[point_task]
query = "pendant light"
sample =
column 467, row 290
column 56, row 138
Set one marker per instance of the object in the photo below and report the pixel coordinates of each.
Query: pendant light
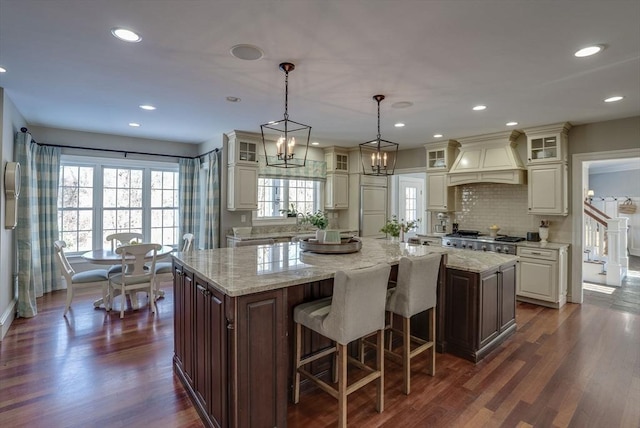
column 382, row 153
column 289, row 150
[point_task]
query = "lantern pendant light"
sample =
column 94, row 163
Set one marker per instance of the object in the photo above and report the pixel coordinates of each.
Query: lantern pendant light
column 290, row 137
column 382, row 153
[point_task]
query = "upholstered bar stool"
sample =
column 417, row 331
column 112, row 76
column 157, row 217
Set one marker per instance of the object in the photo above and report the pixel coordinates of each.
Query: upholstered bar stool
column 356, row 310
column 415, row 292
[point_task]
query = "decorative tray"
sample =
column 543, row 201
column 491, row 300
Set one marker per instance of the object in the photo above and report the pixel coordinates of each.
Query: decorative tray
column 346, row 245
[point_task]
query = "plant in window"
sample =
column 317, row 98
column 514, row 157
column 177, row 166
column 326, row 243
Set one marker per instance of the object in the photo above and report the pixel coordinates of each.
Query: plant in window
column 291, row 212
column 319, row 219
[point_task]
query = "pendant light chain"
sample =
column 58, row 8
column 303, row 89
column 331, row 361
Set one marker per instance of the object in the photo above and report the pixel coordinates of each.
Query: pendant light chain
column 286, row 95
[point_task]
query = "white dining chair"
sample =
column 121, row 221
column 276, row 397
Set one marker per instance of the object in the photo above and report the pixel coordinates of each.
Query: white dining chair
column 92, row 278
column 119, row 239
column 135, row 275
column 164, row 270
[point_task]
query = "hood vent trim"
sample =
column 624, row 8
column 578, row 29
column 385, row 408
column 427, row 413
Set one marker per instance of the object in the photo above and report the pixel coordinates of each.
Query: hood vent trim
column 490, row 158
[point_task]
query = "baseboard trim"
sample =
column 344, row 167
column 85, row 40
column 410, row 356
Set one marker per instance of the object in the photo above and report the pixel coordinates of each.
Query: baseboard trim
column 7, row 318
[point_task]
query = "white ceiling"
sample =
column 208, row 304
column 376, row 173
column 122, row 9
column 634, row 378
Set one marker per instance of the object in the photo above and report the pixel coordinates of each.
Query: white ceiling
column 65, row 70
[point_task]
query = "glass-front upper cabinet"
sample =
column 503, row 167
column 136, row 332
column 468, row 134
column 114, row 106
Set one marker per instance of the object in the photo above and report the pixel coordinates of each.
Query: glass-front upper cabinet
column 440, row 156
column 242, row 148
column 337, row 159
column 547, row 144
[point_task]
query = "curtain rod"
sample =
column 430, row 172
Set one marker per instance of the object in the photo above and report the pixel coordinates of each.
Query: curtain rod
column 124, row 152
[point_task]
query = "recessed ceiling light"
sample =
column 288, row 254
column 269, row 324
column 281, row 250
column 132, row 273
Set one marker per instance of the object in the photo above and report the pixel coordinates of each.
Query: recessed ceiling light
column 3, row 70
column 247, row 52
column 399, row 125
column 233, row 99
column 511, row 123
column 125, row 35
column 613, row 99
column 588, row 51
column 402, row 104
column 480, row 107
column 315, row 143
column 438, row 135
column 134, row 124
column 147, row 107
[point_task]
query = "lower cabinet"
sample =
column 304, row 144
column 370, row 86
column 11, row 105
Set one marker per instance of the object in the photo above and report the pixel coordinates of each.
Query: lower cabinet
column 542, row 274
column 479, row 310
column 231, row 353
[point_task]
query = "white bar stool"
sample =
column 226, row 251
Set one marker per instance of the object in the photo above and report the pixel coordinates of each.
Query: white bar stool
column 415, row 292
column 355, row 310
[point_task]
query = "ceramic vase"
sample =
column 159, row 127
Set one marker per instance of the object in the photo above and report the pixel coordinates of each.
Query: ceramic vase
column 544, row 234
column 320, row 236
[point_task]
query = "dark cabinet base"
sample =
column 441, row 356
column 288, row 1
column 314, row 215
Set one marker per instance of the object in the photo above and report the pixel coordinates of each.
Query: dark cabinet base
column 479, row 311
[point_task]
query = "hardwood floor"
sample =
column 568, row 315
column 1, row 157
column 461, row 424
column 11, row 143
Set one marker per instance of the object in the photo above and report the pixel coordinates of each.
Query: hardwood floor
column 577, row 367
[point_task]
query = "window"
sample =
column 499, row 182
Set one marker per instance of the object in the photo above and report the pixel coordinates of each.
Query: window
column 276, row 195
column 97, row 198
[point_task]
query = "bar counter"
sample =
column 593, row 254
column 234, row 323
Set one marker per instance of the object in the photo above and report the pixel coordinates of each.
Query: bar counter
column 233, row 319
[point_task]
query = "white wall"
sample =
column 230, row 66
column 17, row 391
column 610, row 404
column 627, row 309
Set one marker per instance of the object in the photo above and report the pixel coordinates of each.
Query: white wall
column 11, row 123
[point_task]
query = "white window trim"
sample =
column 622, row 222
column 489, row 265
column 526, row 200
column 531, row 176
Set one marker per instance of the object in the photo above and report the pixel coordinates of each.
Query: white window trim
column 276, row 221
column 98, row 163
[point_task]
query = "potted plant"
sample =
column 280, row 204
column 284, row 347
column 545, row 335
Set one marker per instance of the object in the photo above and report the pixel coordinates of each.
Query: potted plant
column 320, row 220
column 397, row 228
column 291, row 212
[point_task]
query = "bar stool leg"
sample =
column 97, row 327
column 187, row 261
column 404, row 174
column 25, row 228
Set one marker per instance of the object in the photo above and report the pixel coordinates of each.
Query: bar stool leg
column 296, row 363
column 380, row 368
column 406, row 354
column 432, row 338
column 342, row 385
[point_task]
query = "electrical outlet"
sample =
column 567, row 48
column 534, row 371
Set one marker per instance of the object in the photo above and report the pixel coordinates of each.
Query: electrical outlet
column 243, row 218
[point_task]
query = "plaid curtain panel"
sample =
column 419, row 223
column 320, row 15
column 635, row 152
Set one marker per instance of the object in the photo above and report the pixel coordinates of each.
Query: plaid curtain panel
column 212, row 202
column 189, row 195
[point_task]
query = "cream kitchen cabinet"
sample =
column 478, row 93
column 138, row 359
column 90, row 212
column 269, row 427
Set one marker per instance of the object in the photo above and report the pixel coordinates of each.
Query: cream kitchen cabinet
column 547, row 144
column 440, row 156
column 242, row 188
column 336, row 192
column 242, row 148
column 440, row 197
column 542, row 276
column 337, row 160
column 548, row 189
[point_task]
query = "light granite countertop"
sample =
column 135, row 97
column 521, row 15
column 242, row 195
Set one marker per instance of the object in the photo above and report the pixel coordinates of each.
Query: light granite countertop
column 288, row 234
column 247, row 270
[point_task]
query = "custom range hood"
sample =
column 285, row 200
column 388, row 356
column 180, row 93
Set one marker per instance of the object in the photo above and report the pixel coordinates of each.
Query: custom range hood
column 489, row 158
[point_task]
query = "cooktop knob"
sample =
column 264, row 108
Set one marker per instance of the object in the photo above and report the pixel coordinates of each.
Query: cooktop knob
column 484, row 248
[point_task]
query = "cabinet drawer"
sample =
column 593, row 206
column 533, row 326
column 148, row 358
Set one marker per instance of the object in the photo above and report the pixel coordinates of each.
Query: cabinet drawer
column 538, row 253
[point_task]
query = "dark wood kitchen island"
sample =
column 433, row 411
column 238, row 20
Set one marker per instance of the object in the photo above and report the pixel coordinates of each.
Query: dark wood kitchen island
column 233, row 326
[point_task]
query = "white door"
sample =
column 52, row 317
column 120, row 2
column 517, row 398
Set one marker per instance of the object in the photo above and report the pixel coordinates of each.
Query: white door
column 411, row 201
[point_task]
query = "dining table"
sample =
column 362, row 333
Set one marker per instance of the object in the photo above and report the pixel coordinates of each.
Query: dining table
column 110, row 257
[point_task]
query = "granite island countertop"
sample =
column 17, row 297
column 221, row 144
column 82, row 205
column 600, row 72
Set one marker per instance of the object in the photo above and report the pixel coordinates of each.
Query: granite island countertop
column 254, row 269
column 287, row 234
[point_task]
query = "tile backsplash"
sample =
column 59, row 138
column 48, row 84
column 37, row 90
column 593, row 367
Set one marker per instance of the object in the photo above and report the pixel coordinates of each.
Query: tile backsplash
column 486, row 204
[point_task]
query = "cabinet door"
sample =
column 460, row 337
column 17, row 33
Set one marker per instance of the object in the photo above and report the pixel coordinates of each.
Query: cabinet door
column 548, row 189
column 337, row 191
column 188, row 296
column 201, row 343
column 179, row 318
column 537, row 279
column 437, row 192
column 489, row 307
column 260, row 364
column 508, row 296
column 242, row 188
column 461, row 310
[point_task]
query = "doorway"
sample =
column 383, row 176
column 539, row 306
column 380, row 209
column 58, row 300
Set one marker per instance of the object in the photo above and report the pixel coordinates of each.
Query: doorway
column 579, row 179
column 407, row 199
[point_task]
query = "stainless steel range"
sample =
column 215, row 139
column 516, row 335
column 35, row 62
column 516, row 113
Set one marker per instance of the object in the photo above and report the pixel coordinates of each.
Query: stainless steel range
column 473, row 240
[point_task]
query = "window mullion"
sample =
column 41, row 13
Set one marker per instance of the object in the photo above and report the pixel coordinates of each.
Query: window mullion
column 146, row 203
column 98, row 189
